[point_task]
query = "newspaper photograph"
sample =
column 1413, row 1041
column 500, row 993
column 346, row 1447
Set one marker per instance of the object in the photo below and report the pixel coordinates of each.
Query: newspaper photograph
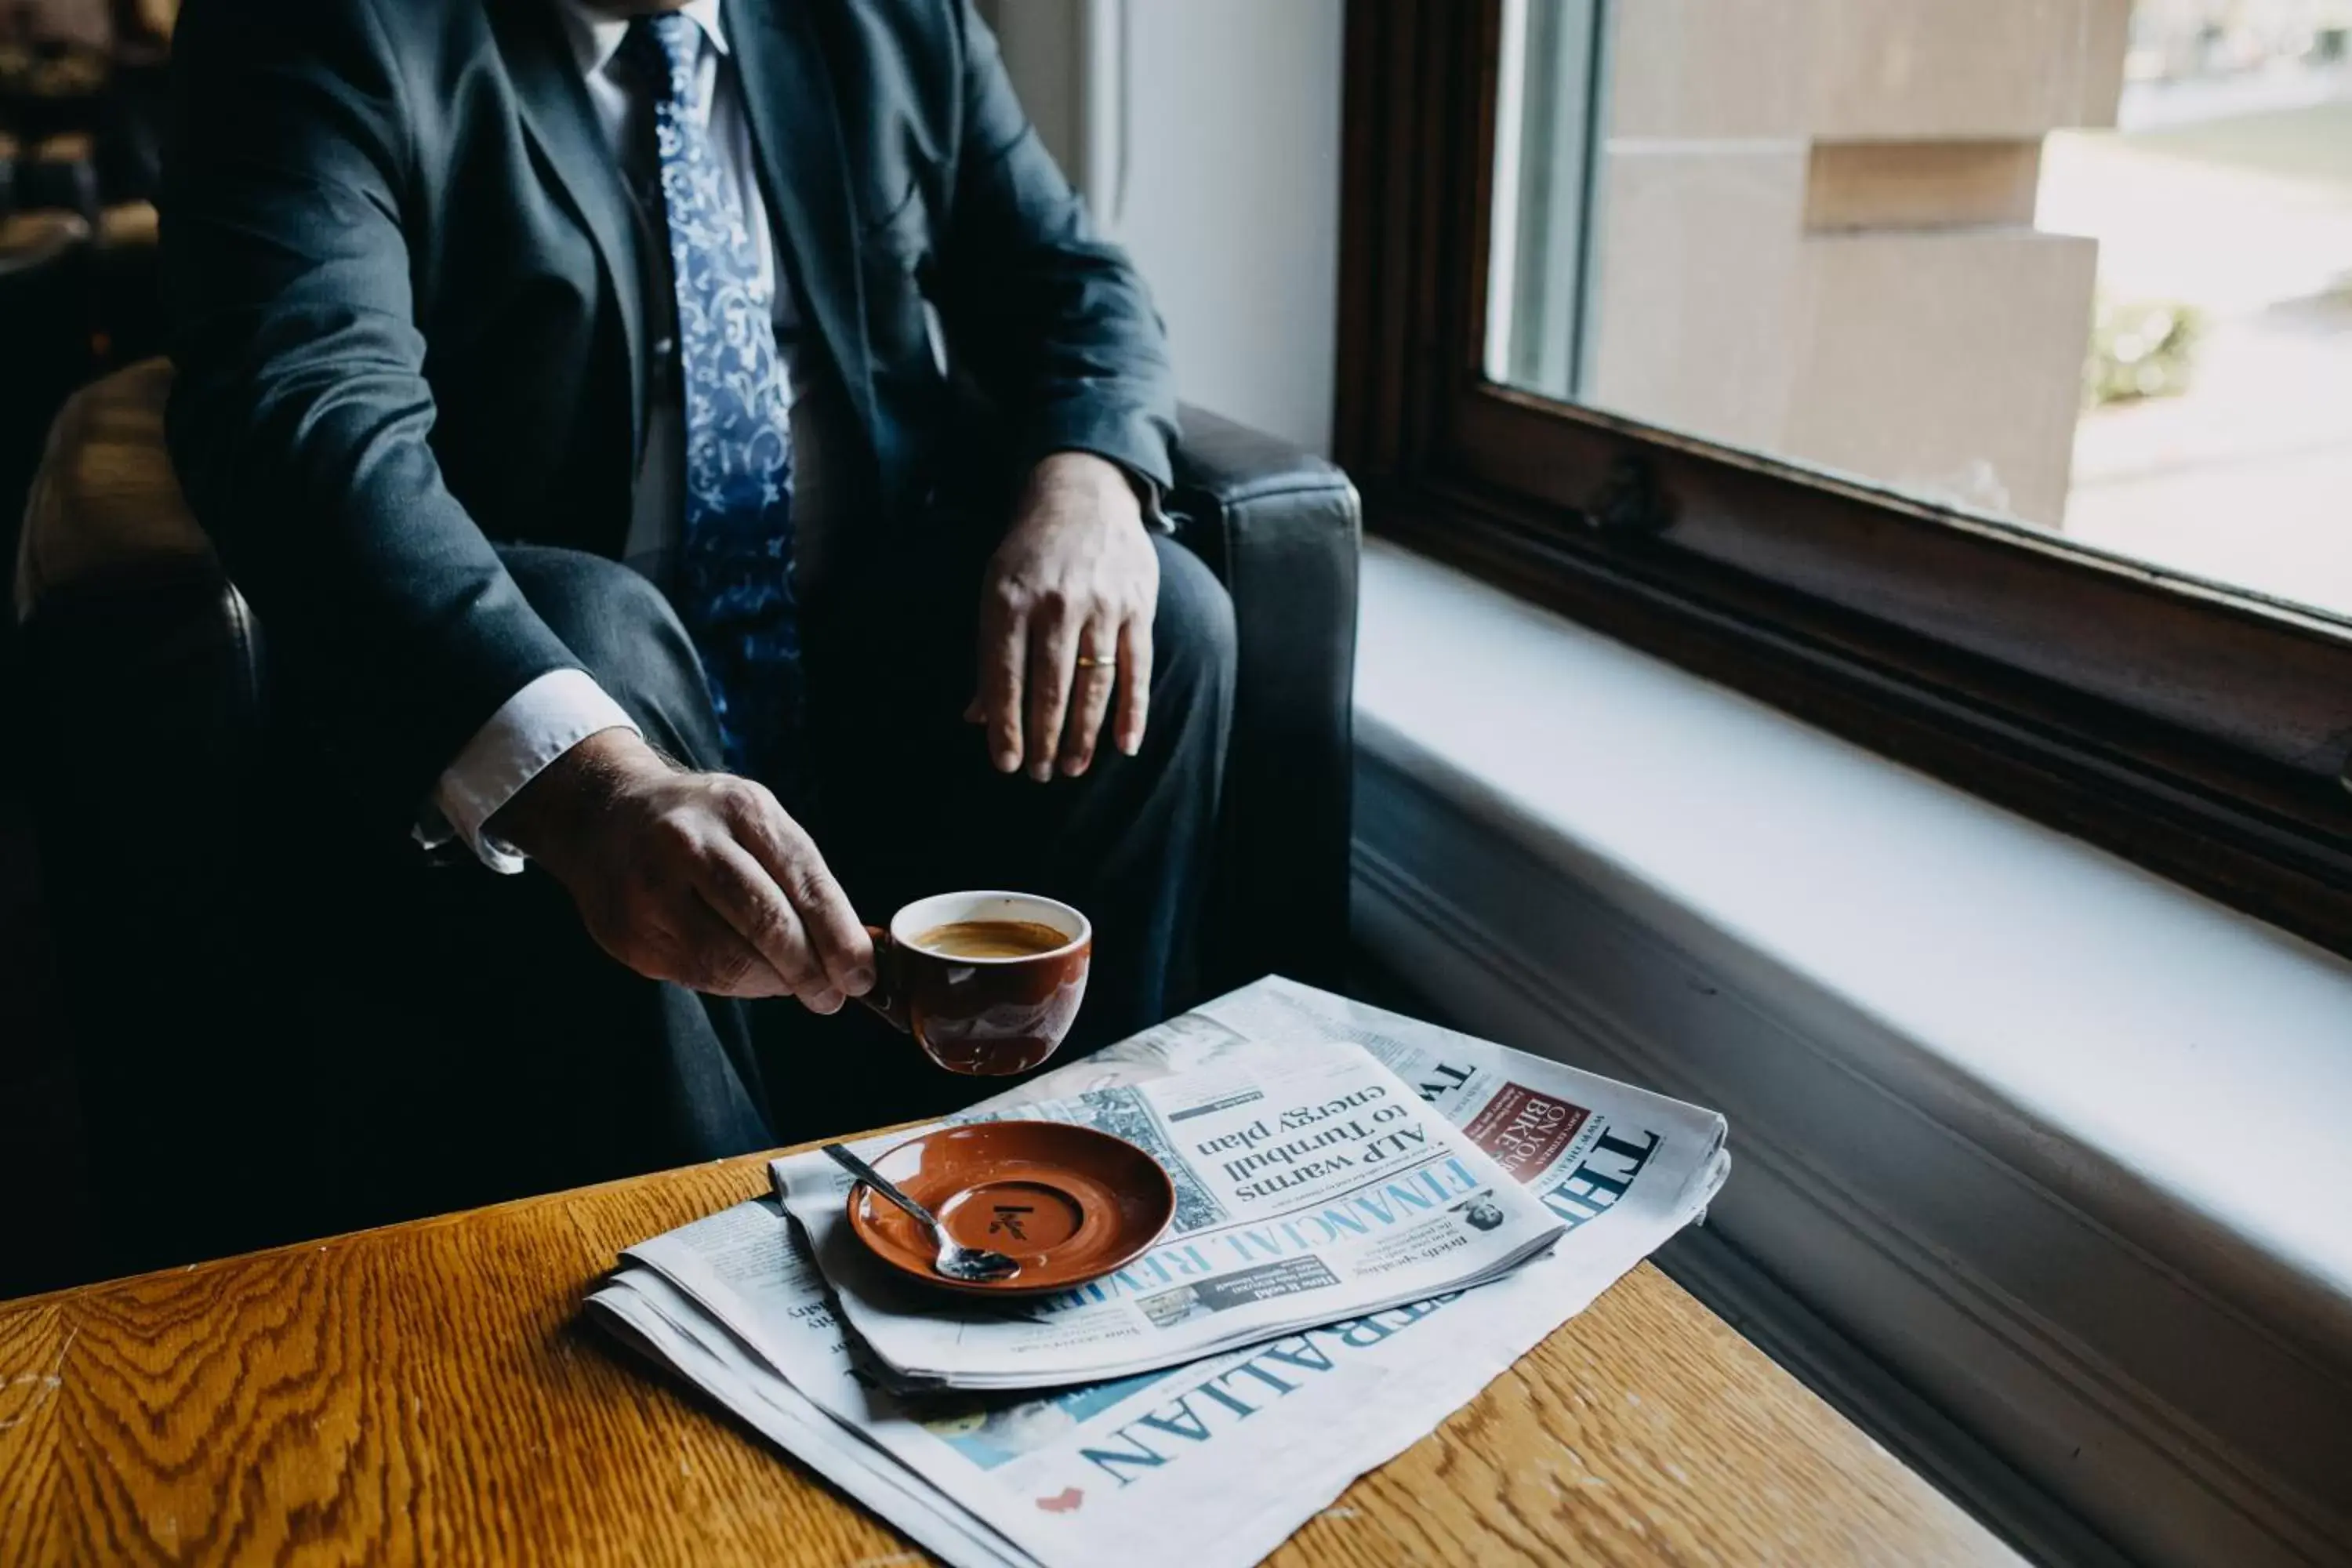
column 1214, row 1463
column 1328, row 1189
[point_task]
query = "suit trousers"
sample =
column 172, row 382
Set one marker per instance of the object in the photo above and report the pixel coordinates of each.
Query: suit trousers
column 450, row 1036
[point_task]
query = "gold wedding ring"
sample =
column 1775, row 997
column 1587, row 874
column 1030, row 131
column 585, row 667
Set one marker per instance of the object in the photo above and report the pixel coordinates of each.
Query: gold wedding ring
column 1089, row 661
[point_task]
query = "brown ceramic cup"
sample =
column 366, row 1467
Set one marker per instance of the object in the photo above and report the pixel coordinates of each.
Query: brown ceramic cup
column 981, row 1015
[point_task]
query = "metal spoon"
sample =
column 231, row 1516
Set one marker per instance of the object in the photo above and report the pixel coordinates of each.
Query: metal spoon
column 972, row 1264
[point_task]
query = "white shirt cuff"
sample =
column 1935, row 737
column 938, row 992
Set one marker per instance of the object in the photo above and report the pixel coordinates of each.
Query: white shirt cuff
column 535, row 726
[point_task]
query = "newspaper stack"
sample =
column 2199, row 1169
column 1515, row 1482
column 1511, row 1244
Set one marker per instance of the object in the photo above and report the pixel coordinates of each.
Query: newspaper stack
column 1216, row 1460
column 1322, row 1190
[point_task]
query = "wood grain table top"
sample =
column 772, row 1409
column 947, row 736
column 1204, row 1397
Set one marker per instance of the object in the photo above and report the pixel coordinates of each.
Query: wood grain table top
column 429, row 1393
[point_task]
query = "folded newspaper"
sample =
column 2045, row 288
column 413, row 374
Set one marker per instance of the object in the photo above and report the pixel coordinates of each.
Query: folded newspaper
column 1312, row 1184
column 1240, row 1446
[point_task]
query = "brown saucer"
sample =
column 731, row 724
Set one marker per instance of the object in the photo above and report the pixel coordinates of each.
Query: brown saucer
column 1065, row 1202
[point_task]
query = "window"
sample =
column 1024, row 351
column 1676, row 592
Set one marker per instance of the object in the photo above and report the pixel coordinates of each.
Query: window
column 1976, row 380
column 2085, row 266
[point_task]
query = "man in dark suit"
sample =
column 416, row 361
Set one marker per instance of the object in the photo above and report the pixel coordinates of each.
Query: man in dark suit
column 658, row 440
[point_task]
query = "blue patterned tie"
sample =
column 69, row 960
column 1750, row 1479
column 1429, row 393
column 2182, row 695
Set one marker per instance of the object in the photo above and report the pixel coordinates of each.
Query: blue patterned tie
column 735, row 588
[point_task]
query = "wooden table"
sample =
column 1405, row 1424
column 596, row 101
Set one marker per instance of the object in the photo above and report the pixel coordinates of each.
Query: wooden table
column 427, row 1392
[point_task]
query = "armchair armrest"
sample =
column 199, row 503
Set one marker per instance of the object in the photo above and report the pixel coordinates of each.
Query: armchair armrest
column 1281, row 528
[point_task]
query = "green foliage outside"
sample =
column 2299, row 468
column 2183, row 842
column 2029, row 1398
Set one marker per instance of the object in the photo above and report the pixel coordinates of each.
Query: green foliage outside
column 2140, row 348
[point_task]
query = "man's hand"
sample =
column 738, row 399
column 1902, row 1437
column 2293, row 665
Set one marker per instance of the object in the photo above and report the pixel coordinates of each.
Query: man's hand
column 696, row 878
column 1065, row 621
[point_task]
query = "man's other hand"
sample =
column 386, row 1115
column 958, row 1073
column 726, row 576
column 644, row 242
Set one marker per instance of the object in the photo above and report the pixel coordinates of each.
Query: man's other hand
column 699, row 879
column 1065, row 621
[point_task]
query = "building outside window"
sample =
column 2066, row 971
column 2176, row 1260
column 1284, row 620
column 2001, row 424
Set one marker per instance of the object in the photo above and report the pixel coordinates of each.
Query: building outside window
column 2082, row 265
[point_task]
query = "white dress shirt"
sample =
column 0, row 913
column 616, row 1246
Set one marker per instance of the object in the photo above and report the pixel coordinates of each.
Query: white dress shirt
column 555, row 712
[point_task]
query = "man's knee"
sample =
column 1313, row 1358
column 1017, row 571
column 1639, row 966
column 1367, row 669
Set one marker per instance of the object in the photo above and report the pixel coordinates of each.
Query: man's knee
column 627, row 637
column 1194, row 646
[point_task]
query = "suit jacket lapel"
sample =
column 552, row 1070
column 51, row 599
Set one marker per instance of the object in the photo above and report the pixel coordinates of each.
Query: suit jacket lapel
column 796, row 136
column 559, row 118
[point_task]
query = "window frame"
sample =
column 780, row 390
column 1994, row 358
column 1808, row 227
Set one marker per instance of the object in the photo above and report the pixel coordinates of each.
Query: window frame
column 2198, row 730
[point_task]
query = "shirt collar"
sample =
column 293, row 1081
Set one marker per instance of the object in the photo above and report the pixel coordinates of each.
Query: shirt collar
column 596, row 36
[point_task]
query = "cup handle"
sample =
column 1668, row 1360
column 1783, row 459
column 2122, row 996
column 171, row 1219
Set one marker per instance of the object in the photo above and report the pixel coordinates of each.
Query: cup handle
column 889, row 996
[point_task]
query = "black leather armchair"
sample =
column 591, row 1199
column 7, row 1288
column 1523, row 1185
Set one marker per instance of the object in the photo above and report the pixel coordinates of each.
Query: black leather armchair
column 1282, row 530
column 45, row 260
column 143, row 678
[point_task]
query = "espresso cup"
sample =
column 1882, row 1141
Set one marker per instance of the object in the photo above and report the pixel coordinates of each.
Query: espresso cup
column 987, row 1015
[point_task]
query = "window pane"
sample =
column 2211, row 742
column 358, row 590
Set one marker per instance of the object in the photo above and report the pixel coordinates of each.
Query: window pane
column 2085, row 265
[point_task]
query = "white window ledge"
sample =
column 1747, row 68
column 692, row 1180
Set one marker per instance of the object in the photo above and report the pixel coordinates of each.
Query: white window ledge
column 2065, row 1145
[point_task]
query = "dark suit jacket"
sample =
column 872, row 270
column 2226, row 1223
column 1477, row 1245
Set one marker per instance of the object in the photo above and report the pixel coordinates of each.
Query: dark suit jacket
column 408, row 320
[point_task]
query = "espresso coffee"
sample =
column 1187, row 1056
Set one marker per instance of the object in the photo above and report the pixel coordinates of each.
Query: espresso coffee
column 987, row 983
column 992, row 938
